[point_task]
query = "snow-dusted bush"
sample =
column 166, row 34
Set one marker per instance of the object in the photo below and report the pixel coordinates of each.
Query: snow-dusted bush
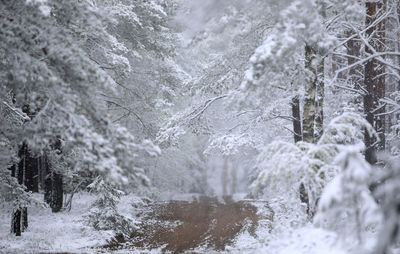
column 347, row 205
column 103, row 214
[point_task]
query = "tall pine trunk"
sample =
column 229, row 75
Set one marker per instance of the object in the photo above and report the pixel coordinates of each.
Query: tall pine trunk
column 374, row 81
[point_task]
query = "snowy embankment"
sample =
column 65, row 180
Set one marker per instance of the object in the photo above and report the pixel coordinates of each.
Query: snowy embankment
column 290, row 234
column 53, row 232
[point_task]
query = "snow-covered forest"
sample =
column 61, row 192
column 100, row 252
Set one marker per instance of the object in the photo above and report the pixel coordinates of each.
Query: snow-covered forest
column 213, row 126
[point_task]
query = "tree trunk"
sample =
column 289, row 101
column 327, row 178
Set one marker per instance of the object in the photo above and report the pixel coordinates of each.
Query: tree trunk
column 374, row 81
column 313, row 115
column 54, row 193
column 19, row 174
column 304, row 197
column 24, row 216
column 296, row 119
column 309, row 103
column 31, row 173
column 47, row 186
column 57, row 193
column 16, row 222
column 319, row 117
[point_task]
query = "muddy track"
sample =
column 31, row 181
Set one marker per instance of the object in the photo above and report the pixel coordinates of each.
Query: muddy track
column 206, row 223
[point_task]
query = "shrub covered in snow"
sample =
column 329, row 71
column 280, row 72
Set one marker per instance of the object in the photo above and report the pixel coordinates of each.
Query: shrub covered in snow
column 347, row 205
column 103, row 214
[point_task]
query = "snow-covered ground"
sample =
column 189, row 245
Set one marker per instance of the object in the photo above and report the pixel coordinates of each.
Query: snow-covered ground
column 66, row 232
column 290, row 234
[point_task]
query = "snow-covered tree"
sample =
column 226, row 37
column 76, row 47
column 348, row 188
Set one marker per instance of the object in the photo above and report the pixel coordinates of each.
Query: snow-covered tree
column 50, row 88
column 283, row 167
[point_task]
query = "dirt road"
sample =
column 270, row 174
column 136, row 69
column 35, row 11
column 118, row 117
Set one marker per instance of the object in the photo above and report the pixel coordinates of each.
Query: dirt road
column 206, row 223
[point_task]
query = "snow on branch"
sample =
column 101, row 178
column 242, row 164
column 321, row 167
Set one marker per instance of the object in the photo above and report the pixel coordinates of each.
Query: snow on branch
column 17, row 111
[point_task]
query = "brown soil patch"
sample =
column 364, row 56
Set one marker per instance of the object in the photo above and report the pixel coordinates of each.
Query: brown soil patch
column 179, row 226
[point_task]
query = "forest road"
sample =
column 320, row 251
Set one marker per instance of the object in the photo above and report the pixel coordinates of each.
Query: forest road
column 203, row 225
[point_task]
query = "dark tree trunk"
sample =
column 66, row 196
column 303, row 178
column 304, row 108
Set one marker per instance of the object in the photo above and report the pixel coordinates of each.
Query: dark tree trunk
column 31, row 173
column 13, row 170
column 54, row 192
column 47, row 183
column 374, row 81
column 370, row 153
column 19, row 174
column 319, row 101
column 24, row 216
column 57, row 193
column 16, row 223
column 296, row 119
column 304, row 197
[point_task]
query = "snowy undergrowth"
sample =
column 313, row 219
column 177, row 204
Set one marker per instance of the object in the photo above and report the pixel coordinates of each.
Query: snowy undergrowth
column 290, row 233
column 347, row 220
column 56, row 232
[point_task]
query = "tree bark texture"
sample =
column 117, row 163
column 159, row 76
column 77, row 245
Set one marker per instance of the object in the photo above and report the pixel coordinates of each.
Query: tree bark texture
column 295, row 104
column 16, row 222
column 320, row 86
column 309, row 100
column 19, row 174
column 313, row 103
column 374, row 81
